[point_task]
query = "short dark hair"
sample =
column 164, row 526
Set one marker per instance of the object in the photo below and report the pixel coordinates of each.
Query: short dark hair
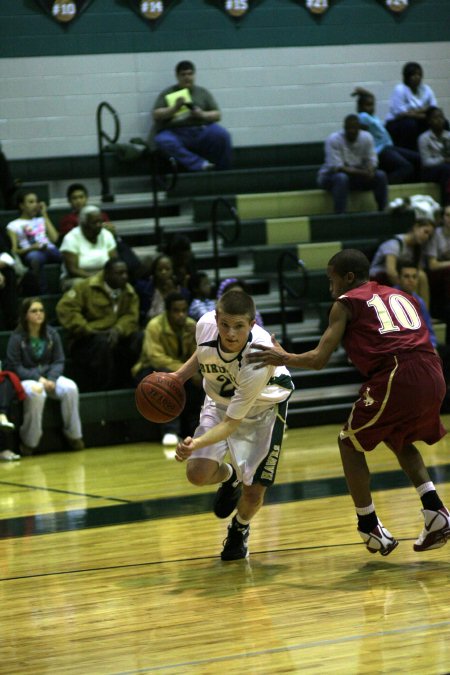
column 195, row 280
column 75, row 187
column 177, row 244
column 237, row 302
column 351, row 118
column 431, row 110
column 409, row 69
column 174, row 296
column 402, row 263
column 350, row 260
column 112, row 262
column 21, row 194
column 184, row 65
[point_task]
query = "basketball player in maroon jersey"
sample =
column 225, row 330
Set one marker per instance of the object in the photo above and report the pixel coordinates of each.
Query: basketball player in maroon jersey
column 386, row 338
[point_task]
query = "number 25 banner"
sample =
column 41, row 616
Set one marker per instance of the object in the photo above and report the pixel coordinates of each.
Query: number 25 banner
column 150, row 9
column 63, row 11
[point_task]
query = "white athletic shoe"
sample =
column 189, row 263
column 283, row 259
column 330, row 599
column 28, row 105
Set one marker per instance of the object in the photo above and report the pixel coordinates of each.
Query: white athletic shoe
column 436, row 531
column 380, row 540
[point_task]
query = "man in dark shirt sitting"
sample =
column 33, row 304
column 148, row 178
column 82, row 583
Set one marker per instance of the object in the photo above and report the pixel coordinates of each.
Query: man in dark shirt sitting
column 185, row 124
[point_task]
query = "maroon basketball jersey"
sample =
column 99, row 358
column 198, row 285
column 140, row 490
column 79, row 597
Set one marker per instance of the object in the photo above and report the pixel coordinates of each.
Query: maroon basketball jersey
column 385, row 322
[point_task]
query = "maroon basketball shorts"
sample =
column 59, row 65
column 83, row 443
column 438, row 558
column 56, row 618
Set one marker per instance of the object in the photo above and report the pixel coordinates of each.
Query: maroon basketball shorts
column 399, row 404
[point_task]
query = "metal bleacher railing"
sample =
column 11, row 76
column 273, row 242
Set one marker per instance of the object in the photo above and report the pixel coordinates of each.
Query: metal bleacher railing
column 218, row 231
column 286, row 289
column 162, row 170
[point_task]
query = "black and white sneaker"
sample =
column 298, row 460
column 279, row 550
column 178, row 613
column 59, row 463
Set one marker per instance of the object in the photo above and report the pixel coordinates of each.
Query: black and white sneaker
column 380, row 540
column 235, row 546
column 227, row 496
column 436, row 532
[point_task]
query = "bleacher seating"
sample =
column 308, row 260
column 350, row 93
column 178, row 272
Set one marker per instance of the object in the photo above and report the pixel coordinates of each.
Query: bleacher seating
column 274, row 191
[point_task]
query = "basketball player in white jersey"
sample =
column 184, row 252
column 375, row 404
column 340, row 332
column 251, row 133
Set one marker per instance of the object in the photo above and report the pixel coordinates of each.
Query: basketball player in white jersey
column 244, row 414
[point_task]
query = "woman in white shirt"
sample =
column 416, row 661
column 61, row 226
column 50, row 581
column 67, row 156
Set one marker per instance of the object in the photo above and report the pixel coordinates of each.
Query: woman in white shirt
column 409, row 103
column 86, row 248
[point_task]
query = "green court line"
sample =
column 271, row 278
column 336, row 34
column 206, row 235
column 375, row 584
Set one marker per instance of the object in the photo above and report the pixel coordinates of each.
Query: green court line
column 194, row 504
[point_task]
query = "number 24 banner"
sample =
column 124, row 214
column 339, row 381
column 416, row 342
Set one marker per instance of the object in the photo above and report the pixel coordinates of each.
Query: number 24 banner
column 63, row 11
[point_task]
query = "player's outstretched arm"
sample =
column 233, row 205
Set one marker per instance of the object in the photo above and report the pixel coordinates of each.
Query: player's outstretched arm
column 315, row 359
column 220, row 432
column 268, row 356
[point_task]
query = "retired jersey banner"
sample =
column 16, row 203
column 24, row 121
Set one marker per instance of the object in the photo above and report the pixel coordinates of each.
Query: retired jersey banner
column 234, row 8
column 64, row 11
column 317, row 6
column 151, row 9
column 397, row 5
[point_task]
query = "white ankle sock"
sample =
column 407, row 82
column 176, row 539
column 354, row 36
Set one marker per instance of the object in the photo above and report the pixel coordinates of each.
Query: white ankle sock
column 365, row 510
column 424, row 488
column 241, row 521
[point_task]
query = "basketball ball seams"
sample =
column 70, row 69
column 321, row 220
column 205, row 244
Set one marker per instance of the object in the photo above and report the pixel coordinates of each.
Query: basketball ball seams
column 160, row 397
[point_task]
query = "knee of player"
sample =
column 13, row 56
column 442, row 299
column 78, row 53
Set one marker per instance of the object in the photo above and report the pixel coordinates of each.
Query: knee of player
column 196, row 473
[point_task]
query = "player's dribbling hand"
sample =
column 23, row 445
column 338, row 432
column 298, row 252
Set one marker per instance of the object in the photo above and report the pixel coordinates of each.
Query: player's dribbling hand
column 184, row 449
column 267, row 356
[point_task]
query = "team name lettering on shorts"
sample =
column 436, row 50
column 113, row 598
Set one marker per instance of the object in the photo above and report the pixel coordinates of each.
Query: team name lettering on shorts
column 271, row 463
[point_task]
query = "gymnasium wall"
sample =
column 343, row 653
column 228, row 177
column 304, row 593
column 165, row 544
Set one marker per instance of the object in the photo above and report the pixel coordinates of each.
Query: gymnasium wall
column 280, row 74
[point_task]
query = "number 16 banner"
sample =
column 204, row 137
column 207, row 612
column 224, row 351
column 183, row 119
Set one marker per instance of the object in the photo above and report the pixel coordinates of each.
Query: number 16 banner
column 63, row 11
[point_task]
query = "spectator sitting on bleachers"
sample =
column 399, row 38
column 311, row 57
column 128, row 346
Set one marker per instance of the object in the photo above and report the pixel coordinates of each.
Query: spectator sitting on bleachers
column 400, row 164
column 184, row 264
column 408, row 277
column 33, row 237
column 8, row 287
column 86, row 248
column 434, row 148
column 185, row 124
column 437, row 252
column 200, row 293
column 169, row 341
column 78, row 196
column 408, row 247
column 408, row 106
column 101, row 316
column 351, row 164
column 233, row 284
column 8, row 186
column 153, row 289
column 10, row 389
column 36, row 356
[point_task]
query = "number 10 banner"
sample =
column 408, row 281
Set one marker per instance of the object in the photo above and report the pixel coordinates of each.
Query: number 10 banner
column 63, row 11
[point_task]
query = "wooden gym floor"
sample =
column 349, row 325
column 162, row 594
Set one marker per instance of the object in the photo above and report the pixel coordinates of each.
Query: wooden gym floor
column 109, row 565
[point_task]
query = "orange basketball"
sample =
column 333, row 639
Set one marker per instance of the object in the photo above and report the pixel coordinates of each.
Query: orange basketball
column 160, row 397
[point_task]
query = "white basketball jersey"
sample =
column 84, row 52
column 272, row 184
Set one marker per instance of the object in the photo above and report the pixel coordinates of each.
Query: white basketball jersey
column 231, row 381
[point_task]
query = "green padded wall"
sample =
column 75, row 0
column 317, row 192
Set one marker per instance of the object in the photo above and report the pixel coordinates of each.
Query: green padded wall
column 108, row 26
